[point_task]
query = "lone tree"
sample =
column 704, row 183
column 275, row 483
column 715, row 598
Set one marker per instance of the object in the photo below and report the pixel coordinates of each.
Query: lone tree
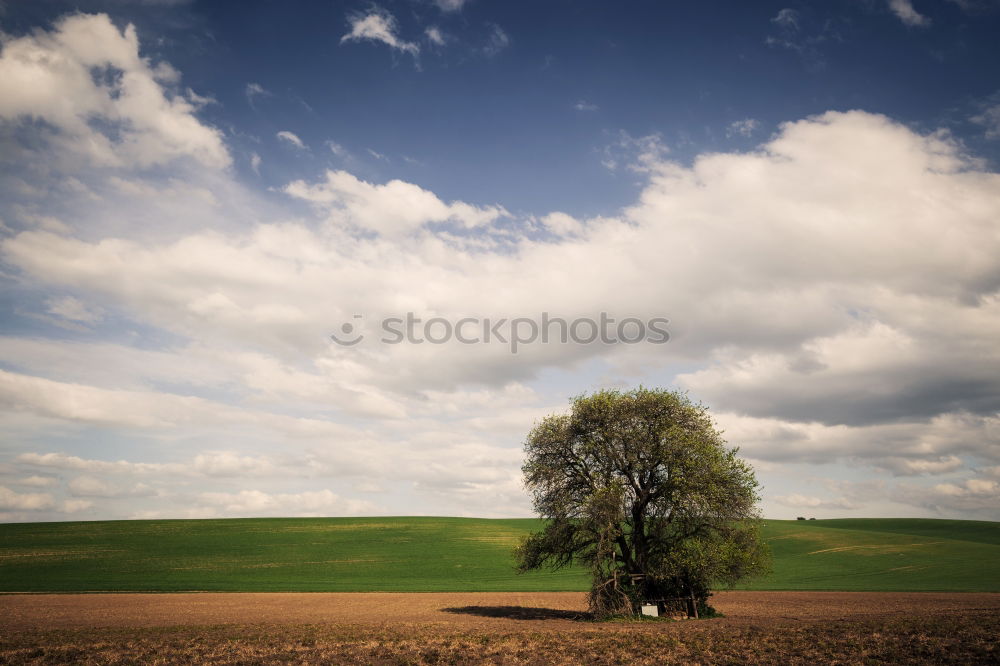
column 642, row 489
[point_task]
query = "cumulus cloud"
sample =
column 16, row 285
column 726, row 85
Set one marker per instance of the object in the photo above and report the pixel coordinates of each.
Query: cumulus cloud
column 797, row 501
column 390, row 209
column 562, row 224
column 38, row 481
column 906, row 13
column 868, row 373
column 142, row 409
column 231, row 463
column 304, row 504
column 14, row 501
column 911, row 467
column 971, row 496
column 90, row 486
column 584, row 105
column 106, row 103
column 805, row 310
column 76, row 505
column 907, row 448
column 64, row 461
column 378, row 26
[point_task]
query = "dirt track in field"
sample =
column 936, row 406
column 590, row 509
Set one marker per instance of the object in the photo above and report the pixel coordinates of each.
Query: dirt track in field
column 506, row 611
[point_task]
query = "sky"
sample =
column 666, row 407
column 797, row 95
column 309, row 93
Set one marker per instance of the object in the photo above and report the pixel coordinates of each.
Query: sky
column 296, row 259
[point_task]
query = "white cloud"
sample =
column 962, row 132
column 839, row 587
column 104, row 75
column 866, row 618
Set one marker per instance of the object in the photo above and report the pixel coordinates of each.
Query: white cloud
column 272, row 285
column 391, row 209
column 635, row 153
column 231, row 463
column 379, row 26
column 76, row 505
column 990, row 120
column 255, row 162
column 38, row 481
column 75, row 402
column 14, row 501
column 745, row 127
column 804, row 306
column 207, row 463
column 90, row 486
column 865, row 373
column 903, row 448
column 976, row 6
column 971, row 496
column 107, row 104
column 141, row 410
column 253, row 91
column 908, row 467
column 46, row 222
column 562, row 224
column 308, row 503
column 435, row 35
column 73, row 309
column 497, row 41
column 904, row 10
column 148, row 191
column 291, row 138
column 450, row 5
column 584, row 105
column 787, row 18
column 63, row 461
column 797, row 501
column 799, row 33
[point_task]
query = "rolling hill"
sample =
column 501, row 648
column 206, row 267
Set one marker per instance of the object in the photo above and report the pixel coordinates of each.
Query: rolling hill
column 454, row 554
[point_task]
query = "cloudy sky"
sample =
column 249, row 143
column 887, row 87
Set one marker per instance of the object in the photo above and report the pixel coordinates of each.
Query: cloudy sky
column 195, row 196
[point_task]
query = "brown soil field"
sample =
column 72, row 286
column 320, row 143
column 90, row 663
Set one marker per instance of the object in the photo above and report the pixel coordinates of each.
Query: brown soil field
column 522, row 628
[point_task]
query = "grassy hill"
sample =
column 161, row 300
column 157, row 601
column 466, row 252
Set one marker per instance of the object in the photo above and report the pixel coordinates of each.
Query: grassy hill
column 883, row 554
column 454, row 554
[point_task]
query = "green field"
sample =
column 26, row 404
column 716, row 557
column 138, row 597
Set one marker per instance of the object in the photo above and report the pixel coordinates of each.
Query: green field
column 454, row 554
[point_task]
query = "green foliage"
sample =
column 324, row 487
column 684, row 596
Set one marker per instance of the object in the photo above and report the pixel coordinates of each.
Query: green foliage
column 641, row 489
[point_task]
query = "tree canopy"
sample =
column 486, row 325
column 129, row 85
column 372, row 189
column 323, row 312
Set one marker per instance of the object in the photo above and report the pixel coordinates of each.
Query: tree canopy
column 641, row 487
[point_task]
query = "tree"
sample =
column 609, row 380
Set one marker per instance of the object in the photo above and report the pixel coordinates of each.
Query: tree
column 640, row 487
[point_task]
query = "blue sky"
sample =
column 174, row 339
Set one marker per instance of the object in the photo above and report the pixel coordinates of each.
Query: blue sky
column 194, row 196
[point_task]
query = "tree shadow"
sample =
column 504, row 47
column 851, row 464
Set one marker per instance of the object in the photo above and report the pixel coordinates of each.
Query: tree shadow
column 522, row 613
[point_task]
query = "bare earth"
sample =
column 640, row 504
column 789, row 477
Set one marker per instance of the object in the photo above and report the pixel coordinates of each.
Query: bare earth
column 493, row 628
column 528, row 611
